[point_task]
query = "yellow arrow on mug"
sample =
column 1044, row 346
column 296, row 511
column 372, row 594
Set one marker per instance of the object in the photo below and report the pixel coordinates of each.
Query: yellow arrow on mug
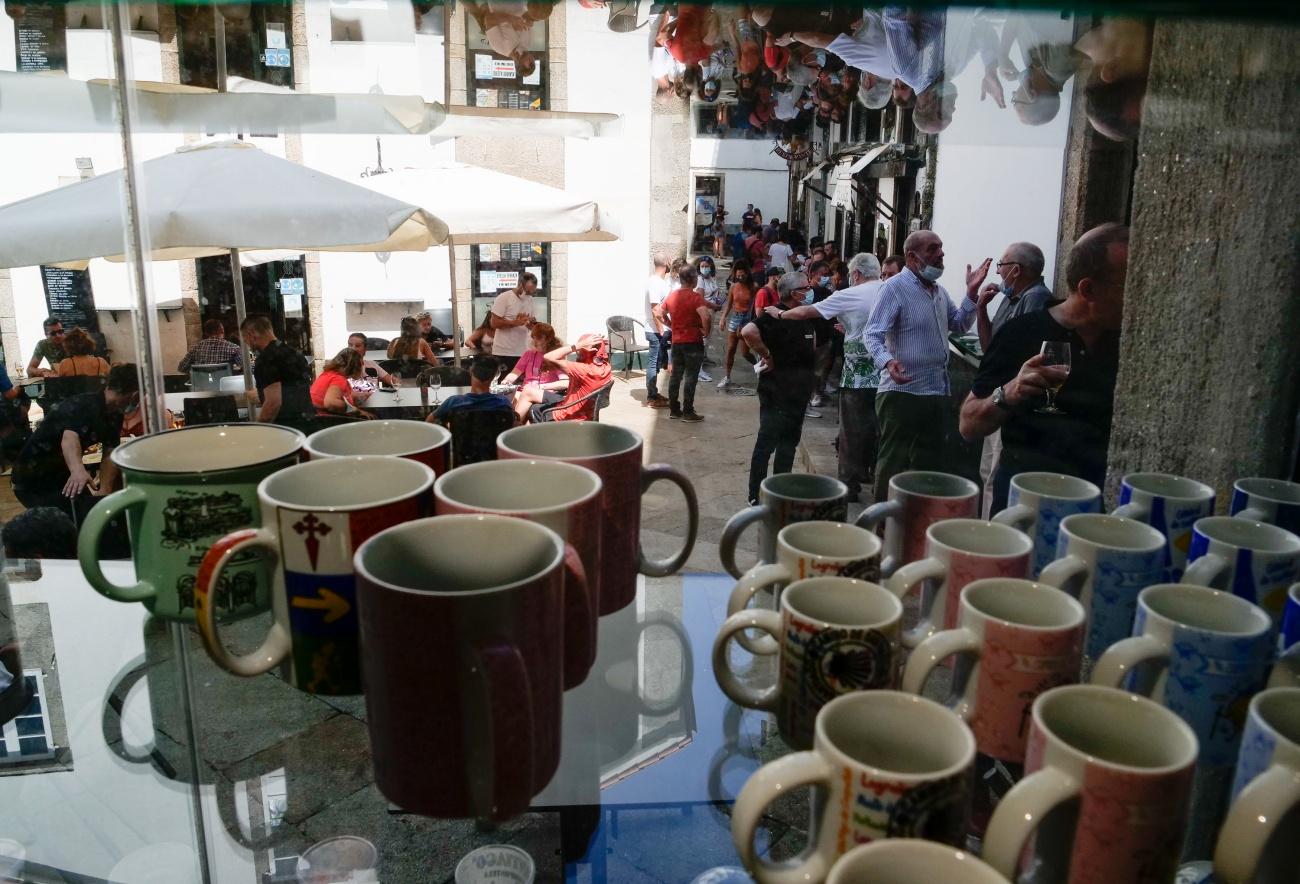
column 332, row 603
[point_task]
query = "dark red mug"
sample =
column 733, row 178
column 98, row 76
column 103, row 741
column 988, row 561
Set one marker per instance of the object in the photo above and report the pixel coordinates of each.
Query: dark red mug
column 614, row 454
column 462, row 661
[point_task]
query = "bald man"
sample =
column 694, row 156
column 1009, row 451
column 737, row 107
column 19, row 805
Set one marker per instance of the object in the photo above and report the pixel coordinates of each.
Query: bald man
column 907, row 336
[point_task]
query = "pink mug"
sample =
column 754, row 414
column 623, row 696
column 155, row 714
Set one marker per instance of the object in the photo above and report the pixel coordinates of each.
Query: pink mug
column 1126, row 762
column 918, row 499
column 430, row 444
column 614, row 454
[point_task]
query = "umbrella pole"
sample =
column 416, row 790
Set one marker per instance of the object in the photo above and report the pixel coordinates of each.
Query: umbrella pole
column 241, row 313
column 455, row 303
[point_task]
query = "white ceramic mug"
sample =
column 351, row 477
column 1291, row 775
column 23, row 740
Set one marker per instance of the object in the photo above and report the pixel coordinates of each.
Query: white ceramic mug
column 892, row 765
column 803, row 550
column 784, row 499
column 911, row 861
column 918, row 499
column 835, row 635
column 1275, row 501
column 1104, row 562
column 430, row 444
column 1017, row 639
column 958, row 551
column 1266, row 792
column 1254, row 560
column 1036, row 504
column 1127, row 762
column 1170, row 504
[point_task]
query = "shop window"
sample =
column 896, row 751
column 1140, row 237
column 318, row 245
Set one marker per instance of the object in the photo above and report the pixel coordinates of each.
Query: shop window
column 258, row 42
column 505, row 59
column 495, row 268
column 276, row 290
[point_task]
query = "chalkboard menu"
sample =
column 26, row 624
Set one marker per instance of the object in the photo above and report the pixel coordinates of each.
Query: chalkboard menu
column 69, row 297
column 40, row 37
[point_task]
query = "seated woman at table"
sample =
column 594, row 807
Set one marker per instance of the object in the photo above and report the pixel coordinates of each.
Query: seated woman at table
column 332, row 392
column 411, row 349
column 537, row 384
column 480, row 339
column 80, row 359
column 589, row 373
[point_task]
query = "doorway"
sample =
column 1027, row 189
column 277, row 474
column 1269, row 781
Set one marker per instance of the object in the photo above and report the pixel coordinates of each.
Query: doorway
column 704, row 208
column 276, row 290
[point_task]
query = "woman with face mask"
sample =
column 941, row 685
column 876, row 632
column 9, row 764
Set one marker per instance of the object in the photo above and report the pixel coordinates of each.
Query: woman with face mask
column 737, row 310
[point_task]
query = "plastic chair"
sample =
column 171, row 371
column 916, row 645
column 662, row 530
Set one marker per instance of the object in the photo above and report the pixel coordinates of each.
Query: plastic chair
column 623, row 338
column 210, row 410
column 598, row 398
column 623, row 16
column 208, row 377
column 474, row 434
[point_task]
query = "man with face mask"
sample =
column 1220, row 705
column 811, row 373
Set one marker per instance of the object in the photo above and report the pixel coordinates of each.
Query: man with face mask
column 907, row 337
column 1021, row 269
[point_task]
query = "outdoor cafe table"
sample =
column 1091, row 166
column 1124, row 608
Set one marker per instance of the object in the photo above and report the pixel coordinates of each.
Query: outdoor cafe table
column 653, row 753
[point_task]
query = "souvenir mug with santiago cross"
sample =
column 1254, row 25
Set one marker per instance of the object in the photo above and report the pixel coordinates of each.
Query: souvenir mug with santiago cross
column 184, row 489
column 314, row 516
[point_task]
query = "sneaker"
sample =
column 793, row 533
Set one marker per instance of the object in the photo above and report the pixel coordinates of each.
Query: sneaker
column 691, row 417
column 811, row 412
column 724, row 383
column 830, row 390
column 816, row 401
column 705, row 376
column 657, row 402
column 674, row 414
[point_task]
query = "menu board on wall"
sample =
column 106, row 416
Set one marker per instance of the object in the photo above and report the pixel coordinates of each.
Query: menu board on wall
column 69, row 297
column 40, row 38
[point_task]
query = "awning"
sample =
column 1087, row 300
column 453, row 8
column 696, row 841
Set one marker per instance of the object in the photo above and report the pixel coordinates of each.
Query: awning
column 868, row 158
column 815, row 172
column 842, row 194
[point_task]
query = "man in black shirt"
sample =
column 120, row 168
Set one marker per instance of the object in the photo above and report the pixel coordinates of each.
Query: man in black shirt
column 787, row 376
column 437, row 338
column 282, row 375
column 1012, row 380
column 49, row 470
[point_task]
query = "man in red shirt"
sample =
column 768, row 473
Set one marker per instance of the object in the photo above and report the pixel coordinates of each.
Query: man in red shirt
column 588, row 373
column 689, row 316
column 768, row 296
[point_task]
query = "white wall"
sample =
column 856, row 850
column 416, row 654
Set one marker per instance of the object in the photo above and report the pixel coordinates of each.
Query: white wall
column 610, row 73
column 752, row 173
column 998, row 180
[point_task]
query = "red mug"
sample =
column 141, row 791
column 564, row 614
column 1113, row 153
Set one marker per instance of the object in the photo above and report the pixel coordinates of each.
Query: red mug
column 463, row 662
column 614, row 454
column 918, row 499
column 430, row 444
column 564, row 498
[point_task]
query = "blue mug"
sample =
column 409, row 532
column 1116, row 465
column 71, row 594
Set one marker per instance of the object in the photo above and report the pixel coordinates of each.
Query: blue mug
column 1171, row 505
column 1275, row 501
column 1249, row 559
column 1036, row 504
column 1286, row 671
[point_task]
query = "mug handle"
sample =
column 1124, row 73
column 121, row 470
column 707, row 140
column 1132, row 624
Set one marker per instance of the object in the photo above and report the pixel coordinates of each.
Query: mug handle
column 767, row 784
column 1064, row 571
column 1253, row 513
column 663, row 707
column 1122, row 658
column 1252, row 820
column 579, row 621
column 1020, row 812
column 1286, row 669
column 1133, row 510
column 663, row 567
column 927, row 655
column 731, row 535
column 742, row 694
column 1018, row 516
column 913, row 576
column 119, row 502
column 509, row 708
column 277, row 644
column 112, row 729
column 871, row 517
column 1205, row 570
column 747, row 587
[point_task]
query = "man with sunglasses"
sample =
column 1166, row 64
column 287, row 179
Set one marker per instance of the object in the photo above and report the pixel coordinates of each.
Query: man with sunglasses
column 49, row 349
column 1021, row 269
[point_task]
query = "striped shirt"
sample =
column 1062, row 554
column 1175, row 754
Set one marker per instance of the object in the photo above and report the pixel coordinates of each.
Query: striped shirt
column 910, row 322
column 212, row 351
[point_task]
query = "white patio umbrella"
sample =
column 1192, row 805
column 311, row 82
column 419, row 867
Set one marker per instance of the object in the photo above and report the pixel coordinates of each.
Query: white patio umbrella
column 213, row 199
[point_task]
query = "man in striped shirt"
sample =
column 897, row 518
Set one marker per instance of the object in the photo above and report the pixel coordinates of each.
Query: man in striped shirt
column 907, row 337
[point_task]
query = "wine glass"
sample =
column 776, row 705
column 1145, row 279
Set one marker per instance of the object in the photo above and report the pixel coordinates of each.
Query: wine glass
column 1057, row 355
column 435, row 383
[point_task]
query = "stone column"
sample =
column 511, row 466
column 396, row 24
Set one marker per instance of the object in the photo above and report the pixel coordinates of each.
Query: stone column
column 1209, row 378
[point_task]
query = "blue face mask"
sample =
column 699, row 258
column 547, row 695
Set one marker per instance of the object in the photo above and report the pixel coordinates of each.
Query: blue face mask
column 808, row 298
column 930, row 273
column 706, row 271
column 824, row 281
column 1005, row 288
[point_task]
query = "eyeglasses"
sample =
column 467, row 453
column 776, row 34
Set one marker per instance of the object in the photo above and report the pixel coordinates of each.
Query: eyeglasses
column 1002, row 264
column 56, row 331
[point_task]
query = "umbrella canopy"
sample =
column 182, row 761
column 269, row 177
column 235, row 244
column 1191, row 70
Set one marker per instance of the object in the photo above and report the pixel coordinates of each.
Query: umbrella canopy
column 208, row 200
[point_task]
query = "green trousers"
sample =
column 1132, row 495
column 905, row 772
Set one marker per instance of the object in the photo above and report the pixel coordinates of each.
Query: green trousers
column 911, row 435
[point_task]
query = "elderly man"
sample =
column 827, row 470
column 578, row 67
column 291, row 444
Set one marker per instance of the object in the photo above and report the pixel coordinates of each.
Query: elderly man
column 907, row 338
column 786, row 379
column 1012, row 379
column 1021, row 269
column 852, row 307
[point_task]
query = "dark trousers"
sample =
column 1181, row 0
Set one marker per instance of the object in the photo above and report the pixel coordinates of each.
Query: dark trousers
column 858, row 434
column 780, row 424
column 114, row 542
column 687, row 359
column 911, row 435
column 652, row 364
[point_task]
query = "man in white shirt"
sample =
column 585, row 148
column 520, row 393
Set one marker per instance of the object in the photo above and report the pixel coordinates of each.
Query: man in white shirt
column 512, row 315
column 779, row 254
column 657, row 288
column 852, row 308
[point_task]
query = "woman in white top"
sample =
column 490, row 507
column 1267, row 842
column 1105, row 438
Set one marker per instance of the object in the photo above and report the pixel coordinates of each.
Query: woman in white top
column 779, row 254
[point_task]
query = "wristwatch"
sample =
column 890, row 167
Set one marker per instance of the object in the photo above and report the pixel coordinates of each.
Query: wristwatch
column 1000, row 399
